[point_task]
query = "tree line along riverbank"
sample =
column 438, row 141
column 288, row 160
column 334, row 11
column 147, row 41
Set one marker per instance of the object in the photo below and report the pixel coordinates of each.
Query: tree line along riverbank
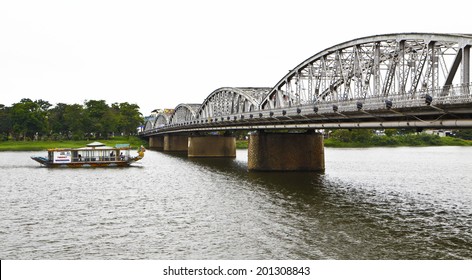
column 385, row 142
column 40, row 120
column 358, row 138
column 398, row 141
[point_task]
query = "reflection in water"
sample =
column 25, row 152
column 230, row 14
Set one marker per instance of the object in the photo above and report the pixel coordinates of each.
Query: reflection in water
column 172, row 207
column 358, row 222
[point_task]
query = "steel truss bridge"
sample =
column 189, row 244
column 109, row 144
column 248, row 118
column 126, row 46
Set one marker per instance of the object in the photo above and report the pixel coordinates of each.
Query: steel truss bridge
column 396, row 80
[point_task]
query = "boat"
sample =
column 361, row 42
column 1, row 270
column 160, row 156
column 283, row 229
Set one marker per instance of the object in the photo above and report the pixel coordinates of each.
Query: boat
column 95, row 154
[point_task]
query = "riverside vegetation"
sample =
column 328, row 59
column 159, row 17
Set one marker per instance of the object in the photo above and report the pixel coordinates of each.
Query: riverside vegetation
column 37, row 125
column 358, row 138
column 339, row 138
column 95, row 119
column 395, row 137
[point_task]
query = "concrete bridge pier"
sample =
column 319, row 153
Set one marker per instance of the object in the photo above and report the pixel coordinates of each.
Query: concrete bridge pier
column 286, row 152
column 212, row 146
column 175, row 143
column 156, row 142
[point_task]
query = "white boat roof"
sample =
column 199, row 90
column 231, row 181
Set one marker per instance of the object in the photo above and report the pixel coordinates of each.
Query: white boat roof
column 95, row 144
column 97, row 148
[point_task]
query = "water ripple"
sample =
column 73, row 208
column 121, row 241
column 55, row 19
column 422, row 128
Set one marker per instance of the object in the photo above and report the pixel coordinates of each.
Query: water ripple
column 402, row 203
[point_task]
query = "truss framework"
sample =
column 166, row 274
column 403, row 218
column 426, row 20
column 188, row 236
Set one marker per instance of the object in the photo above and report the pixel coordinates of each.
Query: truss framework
column 386, row 66
column 406, row 68
column 229, row 101
column 184, row 113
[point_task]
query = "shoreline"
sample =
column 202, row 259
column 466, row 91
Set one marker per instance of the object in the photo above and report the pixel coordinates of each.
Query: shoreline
column 333, row 143
column 11, row 146
column 34, row 146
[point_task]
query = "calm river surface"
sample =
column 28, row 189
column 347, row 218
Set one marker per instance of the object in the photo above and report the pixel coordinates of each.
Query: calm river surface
column 376, row 203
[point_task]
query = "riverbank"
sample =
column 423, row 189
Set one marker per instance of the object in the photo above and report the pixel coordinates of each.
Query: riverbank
column 44, row 145
column 408, row 140
column 387, row 141
column 376, row 141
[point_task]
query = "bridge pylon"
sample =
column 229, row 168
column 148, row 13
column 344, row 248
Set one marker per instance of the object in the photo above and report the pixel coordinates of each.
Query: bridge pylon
column 211, row 146
column 175, row 143
column 156, row 142
column 286, row 151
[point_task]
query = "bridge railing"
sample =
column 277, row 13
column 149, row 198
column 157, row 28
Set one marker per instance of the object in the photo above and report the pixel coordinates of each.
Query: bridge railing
column 444, row 95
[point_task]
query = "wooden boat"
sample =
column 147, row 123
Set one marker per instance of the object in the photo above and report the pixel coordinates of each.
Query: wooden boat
column 96, row 154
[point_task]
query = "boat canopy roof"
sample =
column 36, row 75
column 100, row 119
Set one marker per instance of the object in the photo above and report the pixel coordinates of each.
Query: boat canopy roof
column 97, row 148
column 95, row 144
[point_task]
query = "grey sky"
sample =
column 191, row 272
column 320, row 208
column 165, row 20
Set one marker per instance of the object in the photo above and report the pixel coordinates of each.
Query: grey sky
column 158, row 54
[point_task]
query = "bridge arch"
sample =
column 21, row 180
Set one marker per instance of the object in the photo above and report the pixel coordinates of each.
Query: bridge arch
column 381, row 66
column 228, row 101
column 149, row 124
column 184, row 113
column 161, row 120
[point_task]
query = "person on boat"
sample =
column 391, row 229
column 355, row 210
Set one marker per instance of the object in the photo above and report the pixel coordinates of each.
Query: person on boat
column 80, row 157
column 122, row 157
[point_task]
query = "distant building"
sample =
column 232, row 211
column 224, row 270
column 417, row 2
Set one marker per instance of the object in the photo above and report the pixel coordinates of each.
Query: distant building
column 379, row 132
column 155, row 112
column 439, row 132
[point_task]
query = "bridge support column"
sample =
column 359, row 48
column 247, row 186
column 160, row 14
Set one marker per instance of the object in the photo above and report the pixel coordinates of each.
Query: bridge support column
column 156, row 142
column 466, row 65
column 212, row 146
column 286, row 152
column 175, row 143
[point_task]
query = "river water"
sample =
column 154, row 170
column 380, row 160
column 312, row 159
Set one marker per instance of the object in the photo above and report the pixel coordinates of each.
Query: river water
column 375, row 203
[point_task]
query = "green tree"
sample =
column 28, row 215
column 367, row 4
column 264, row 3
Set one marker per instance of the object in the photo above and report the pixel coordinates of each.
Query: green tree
column 96, row 111
column 43, row 105
column 5, row 122
column 76, row 120
column 354, row 135
column 129, row 118
column 29, row 118
column 464, row 134
column 391, row 132
column 57, row 124
column 109, row 122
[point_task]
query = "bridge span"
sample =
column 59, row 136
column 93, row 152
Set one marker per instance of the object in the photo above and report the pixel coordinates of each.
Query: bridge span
column 419, row 80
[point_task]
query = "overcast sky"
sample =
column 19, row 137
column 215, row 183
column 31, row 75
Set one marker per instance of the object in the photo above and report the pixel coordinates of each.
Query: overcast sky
column 158, row 54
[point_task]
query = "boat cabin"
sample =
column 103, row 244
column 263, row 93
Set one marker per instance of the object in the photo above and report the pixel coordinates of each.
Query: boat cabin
column 94, row 152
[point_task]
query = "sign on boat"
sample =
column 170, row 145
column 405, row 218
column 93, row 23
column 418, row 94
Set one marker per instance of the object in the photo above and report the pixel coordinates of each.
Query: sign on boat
column 95, row 154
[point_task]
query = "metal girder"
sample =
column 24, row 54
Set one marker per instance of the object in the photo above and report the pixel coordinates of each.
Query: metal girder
column 454, row 67
column 466, row 65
